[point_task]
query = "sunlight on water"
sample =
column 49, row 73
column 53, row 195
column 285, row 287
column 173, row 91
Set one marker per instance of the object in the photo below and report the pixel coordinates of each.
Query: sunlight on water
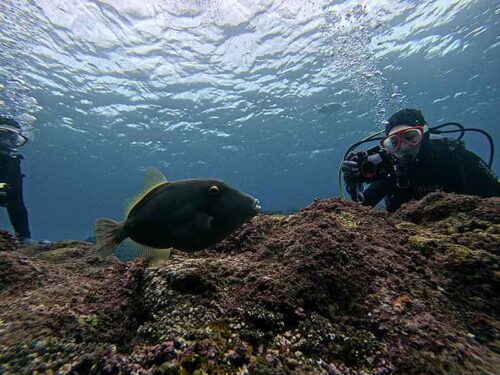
column 136, row 64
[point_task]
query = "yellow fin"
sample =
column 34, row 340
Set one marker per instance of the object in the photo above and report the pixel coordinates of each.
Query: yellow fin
column 153, row 179
column 108, row 235
column 156, row 256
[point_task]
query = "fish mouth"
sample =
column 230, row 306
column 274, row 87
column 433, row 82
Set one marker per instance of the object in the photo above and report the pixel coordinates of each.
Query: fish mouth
column 256, row 205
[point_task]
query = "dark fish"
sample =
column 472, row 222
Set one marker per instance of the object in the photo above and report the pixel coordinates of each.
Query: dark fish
column 329, row 108
column 187, row 215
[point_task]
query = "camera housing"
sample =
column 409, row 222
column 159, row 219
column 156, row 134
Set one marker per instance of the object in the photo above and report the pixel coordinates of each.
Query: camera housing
column 374, row 164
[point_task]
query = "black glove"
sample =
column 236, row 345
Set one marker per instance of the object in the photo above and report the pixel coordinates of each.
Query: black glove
column 352, row 174
column 350, row 168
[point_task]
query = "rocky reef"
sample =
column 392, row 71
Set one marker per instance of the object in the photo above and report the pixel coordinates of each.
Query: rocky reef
column 336, row 288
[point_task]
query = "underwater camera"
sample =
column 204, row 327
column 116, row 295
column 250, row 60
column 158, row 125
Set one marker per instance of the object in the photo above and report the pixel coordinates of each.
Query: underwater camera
column 373, row 163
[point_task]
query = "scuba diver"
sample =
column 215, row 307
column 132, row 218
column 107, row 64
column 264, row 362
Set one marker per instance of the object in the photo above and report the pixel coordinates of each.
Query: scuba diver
column 409, row 163
column 11, row 178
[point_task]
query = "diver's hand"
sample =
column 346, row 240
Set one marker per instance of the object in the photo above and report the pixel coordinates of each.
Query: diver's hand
column 350, row 169
column 352, row 175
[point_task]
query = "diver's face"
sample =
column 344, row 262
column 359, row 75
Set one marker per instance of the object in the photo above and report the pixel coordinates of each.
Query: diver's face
column 409, row 139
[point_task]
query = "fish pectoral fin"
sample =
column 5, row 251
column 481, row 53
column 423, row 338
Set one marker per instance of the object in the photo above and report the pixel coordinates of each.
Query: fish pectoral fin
column 210, row 222
column 204, row 223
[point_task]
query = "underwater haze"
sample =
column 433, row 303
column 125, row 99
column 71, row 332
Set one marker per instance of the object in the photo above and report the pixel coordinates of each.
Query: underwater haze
column 266, row 95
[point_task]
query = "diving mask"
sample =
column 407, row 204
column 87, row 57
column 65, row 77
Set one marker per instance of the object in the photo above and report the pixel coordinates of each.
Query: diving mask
column 11, row 136
column 411, row 136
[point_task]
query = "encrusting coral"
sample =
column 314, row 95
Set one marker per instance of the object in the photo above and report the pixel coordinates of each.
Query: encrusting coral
column 336, row 288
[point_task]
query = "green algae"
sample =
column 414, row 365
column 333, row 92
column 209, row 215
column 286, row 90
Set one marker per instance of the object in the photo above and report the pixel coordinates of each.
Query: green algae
column 91, row 320
column 420, row 242
column 59, row 253
column 348, row 220
column 460, row 252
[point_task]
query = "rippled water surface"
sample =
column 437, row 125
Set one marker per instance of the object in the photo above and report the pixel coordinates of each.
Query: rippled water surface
column 264, row 94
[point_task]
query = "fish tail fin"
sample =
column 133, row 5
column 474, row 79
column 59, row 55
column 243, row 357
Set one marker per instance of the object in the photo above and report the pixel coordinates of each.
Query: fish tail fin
column 108, row 235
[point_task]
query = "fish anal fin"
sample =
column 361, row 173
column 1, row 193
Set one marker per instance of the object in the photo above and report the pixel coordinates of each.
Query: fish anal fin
column 153, row 179
column 156, row 256
column 163, row 259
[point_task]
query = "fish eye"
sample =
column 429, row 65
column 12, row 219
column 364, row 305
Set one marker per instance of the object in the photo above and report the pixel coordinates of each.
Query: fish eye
column 214, row 189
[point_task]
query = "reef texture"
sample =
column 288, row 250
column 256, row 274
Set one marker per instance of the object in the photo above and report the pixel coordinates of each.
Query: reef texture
column 336, row 288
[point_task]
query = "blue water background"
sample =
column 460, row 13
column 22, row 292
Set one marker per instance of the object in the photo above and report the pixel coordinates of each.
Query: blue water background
column 228, row 90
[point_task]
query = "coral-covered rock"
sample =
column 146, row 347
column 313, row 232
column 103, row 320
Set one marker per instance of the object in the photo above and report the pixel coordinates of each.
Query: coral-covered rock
column 7, row 241
column 336, row 288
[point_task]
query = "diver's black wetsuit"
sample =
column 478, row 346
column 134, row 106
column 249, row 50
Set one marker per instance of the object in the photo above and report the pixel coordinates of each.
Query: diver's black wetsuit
column 10, row 173
column 441, row 165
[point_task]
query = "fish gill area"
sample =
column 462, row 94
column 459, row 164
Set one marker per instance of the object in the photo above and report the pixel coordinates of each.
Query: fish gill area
column 335, row 288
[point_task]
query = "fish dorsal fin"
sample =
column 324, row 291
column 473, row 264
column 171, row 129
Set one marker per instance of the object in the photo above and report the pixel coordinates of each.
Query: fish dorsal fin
column 153, row 179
